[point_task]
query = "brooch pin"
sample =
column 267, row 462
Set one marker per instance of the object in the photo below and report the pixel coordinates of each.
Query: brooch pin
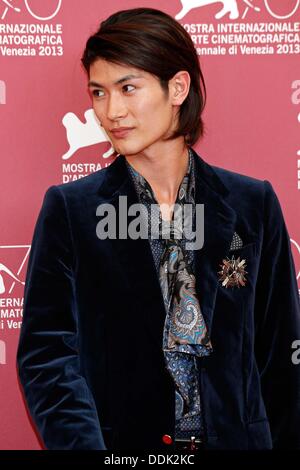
column 233, row 272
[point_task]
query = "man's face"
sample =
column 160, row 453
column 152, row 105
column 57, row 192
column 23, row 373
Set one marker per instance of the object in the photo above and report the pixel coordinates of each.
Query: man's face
column 138, row 102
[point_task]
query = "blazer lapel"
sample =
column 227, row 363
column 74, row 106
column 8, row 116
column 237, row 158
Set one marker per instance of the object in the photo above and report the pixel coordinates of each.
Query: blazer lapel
column 135, row 255
column 219, row 227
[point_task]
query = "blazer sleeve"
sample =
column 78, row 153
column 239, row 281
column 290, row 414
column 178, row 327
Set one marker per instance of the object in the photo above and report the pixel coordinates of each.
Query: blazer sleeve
column 58, row 397
column 277, row 324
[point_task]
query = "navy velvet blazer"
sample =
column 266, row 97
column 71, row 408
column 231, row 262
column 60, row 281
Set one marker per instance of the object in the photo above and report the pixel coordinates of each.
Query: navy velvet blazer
column 90, row 354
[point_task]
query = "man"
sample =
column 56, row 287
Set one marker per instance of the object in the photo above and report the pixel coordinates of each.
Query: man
column 168, row 341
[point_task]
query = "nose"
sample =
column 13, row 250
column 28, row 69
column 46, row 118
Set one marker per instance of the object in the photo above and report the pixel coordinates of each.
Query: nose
column 116, row 108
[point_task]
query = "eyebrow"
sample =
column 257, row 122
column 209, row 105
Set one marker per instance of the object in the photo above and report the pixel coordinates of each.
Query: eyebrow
column 121, row 80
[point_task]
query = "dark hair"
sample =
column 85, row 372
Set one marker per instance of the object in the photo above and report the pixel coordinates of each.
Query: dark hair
column 151, row 40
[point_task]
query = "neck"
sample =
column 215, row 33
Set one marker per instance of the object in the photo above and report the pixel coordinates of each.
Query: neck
column 164, row 170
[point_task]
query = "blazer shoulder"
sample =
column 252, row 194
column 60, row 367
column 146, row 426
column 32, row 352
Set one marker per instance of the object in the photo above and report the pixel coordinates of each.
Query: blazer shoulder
column 235, row 181
column 250, row 195
column 83, row 185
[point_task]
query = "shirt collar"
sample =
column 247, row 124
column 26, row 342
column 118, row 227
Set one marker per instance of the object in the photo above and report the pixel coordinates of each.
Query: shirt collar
column 186, row 191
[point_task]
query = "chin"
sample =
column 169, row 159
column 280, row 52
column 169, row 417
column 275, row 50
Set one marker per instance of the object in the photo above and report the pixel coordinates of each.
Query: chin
column 128, row 149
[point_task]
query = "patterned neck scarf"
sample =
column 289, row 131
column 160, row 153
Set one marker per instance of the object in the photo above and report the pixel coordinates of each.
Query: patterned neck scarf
column 185, row 326
column 185, row 333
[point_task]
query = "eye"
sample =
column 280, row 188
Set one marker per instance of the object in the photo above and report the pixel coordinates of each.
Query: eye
column 125, row 86
column 96, row 93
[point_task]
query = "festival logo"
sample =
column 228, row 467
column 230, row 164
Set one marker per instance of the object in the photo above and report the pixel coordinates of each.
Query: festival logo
column 29, row 38
column 2, row 92
column 80, row 135
column 9, row 6
column 234, row 9
column 12, row 275
column 265, row 31
column 5, row 270
column 13, row 261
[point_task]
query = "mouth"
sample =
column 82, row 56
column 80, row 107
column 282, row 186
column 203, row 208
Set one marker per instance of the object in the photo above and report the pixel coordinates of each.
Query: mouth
column 121, row 132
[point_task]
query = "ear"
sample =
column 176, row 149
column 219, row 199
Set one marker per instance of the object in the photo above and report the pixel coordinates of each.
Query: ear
column 179, row 86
